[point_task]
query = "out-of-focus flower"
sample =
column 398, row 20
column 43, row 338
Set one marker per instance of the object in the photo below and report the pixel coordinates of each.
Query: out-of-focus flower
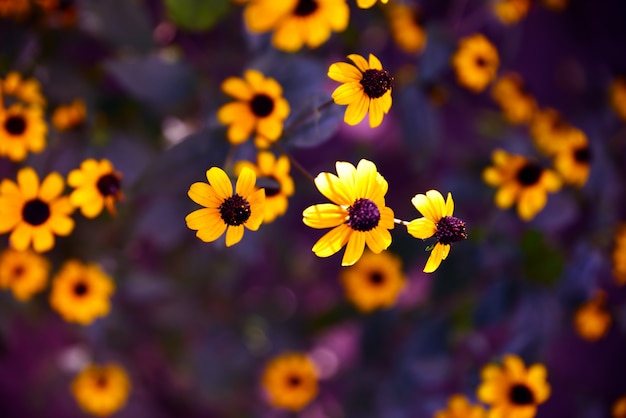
column 512, row 390
column 374, row 281
column 406, row 30
column 34, row 212
column 101, row 390
column 290, row 381
column 359, row 215
column 517, row 105
column 259, row 108
column 81, row 292
column 26, row 90
column 619, row 407
column 366, row 4
column 460, row 407
column 15, row 9
column 97, row 185
column 437, row 222
column 619, row 255
column 366, row 88
column 592, row 320
column 280, row 188
column 573, row 161
column 59, row 13
column 520, row 180
column 24, row 272
column 551, row 133
column 555, row 5
column 224, row 210
column 69, row 116
column 22, row 130
column 511, row 11
column 475, row 62
column 617, row 96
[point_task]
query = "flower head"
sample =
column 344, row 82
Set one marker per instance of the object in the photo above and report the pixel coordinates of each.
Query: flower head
column 551, row 133
column 619, row 255
column 290, row 381
column 592, row 320
column 517, row 105
column 459, row 407
column 617, row 96
column 406, row 29
column 26, row 90
column 366, row 4
column 618, row 410
column 475, row 62
column 101, row 390
column 24, row 272
column 22, row 130
column 511, row 11
column 97, row 185
column 69, row 116
column 573, row 161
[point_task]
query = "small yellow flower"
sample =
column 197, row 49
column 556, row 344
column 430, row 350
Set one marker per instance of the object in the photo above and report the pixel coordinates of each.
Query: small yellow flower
column 22, row 130
column 69, row 116
column 459, row 407
column 592, row 320
column 366, row 4
column 290, row 381
column 24, row 272
column 617, row 96
column 97, row 185
column 101, row 390
column 25, row 90
column 517, row 105
column 511, row 11
column 551, row 133
column 573, row 161
column 475, row 62
column 619, row 255
column 406, row 30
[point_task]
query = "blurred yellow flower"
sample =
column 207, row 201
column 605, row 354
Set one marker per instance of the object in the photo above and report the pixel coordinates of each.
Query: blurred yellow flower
column 617, row 96
column 24, row 272
column 592, row 320
column 22, row 130
column 511, row 11
column 517, row 105
column 25, row 90
column 366, row 4
column 475, row 62
column 619, row 255
column 101, row 390
column 551, row 133
column 459, row 407
column 97, row 185
column 290, row 381
column 69, row 116
column 573, row 161
column 556, row 5
column 619, row 407
column 406, row 30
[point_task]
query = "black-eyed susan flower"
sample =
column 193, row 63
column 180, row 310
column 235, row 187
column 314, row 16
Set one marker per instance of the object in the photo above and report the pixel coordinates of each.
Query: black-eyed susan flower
column 25, row 90
column 520, row 180
column 592, row 320
column 573, row 161
column 437, row 222
column 551, row 133
column 22, row 130
column 97, row 185
column 34, row 212
column 619, row 255
column 460, row 407
column 290, row 381
column 69, row 116
column 279, row 184
column 512, row 390
column 358, row 215
column 101, row 390
column 406, row 30
column 517, row 105
column 259, row 109
column 81, row 292
column 366, row 88
column 366, row 4
column 617, row 96
column 510, row 11
column 618, row 409
column 224, row 210
column 475, row 62
column 24, row 272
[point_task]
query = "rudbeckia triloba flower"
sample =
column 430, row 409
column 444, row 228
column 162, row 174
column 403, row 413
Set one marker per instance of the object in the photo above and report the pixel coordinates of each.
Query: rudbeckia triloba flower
column 366, row 4
column 97, row 185
column 24, row 272
column 475, row 62
column 224, row 210
column 374, row 282
column 290, row 381
column 101, row 390
column 511, row 11
column 520, row 180
column 573, row 161
column 34, row 212
column 592, row 320
column 259, row 109
column 618, row 409
column 81, row 292
column 459, row 407
column 26, row 90
column 551, row 133
column 406, row 30
column 366, row 88
column 617, row 96
column 438, row 223
column 358, row 216
column 279, row 184
column 517, row 105
column 512, row 390
column 69, row 116
column 619, row 255
column 22, row 130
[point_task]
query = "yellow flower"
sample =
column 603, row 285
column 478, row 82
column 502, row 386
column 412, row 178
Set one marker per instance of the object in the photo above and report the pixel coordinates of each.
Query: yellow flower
column 520, row 180
column 97, row 185
column 511, row 11
column 81, row 292
column 459, row 407
column 22, row 130
column 592, row 320
column 517, row 105
column 359, row 215
column 617, row 96
column 34, row 212
column 406, row 30
column 573, row 161
column 290, row 381
column 551, row 133
column 366, row 4
column 26, row 90
column 437, row 222
column 69, row 116
column 223, row 210
column 619, row 255
column 24, row 272
column 374, row 282
column 275, row 171
column 511, row 390
column 259, row 108
column 101, row 390
column 366, row 88
column 619, row 407
column 475, row 62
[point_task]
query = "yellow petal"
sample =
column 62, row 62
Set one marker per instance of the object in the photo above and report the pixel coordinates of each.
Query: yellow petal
column 355, row 112
column 213, row 233
column 506, row 195
column 28, row 182
column 43, row 240
column 376, row 113
column 245, row 182
column 204, row 195
column 325, row 215
column 347, row 93
column 435, row 258
column 220, row 182
column 21, row 236
column 257, row 210
column 359, row 61
column 51, row 187
column 344, row 73
column 354, row 250
column 334, row 189
column 531, row 201
column 374, row 63
column 378, row 239
column 234, row 235
column 203, row 219
column 449, row 205
column 233, row 112
column 422, row 228
column 332, row 241
column 237, row 88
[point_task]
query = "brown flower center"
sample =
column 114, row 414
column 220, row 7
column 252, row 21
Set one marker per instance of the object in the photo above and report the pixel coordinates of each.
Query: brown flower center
column 235, row 210
column 109, row 185
column 262, row 105
column 80, row 288
column 305, row 8
column 529, row 174
column 520, row 394
column 294, row 381
column 15, row 125
column 376, row 278
column 376, row 82
column 450, row 229
column 363, row 215
column 36, row 212
column 582, row 155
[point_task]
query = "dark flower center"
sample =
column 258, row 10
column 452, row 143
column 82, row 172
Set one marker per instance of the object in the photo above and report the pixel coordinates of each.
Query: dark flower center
column 305, row 7
column 529, row 174
column 376, row 82
column 481, row 61
column 81, row 288
column 363, row 215
column 450, row 229
column 377, row 278
column 108, row 185
column 582, row 155
column 235, row 210
column 521, row 395
column 102, row 381
column 270, row 184
column 15, row 125
column 35, row 212
column 18, row 271
column 294, row 381
column 262, row 105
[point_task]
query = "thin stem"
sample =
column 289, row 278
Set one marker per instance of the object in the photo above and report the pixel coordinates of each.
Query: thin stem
column 294, row 162
column 306, row 116
column 400, row 222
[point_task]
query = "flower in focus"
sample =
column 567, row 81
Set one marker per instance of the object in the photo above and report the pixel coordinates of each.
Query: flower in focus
column 573, row 161
column 511, row 11
column 22, row 130
column 619, row 255
column 551, row 133
column 517, row 105
column 475, row 62
column 617, row 96
column 290, row 381
column 374, row 281
column 359, row 215
column 437, row 222
column 97, row 185
column 619, row 407
column 459, row 407
column 259, row 108
column 366, row 4
column 366, row 88
column 592, row 320
column 512, row 390
column 24, row 272
column 26, row 90
column 224, row 210
column 69, row 116
column 101, row 390
column 34, row 212
column 406, row 30
column 520, row 180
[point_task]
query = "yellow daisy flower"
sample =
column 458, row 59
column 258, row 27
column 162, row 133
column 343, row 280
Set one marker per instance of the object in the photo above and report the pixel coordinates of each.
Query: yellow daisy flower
column 617, row 96
column 359, row 215
column 520, row 180
column 459, row 407
column 224, row 210
column 437, row 222
column 101, row 390
column 551, row 133
column 406, row 29
column 573, row 161
column 592, row 320
column 511, row 11
column 366, row 4
column 619, row 255
column 259, row 108
column 69, row 116
column 618, row 409
column 517, row 105
column 81, row 292
column 26, row 90
column 366, row 88
column 22, row 130
column 290, row 381
column 97, row 185
column 34, row 212
column 475, row 62
column 512, row 390
column 24, row 272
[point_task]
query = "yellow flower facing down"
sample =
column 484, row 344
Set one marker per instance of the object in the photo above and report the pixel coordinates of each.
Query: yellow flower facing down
column 34, row 212
column 619, row 255
column 573, row 161
column 358, row 215
column 437, row 222
column 406, row 29
column 511, row 390
column 290, row 381
column 26, row 90
column 460, row 407
column 69, row 116
column 592, row 320
column 366, row 88
column 101, row 390
column 511, row 11
column 259, row 109
column 475, row 62
column 224, row 210
column 366, row 4
column 617, row 96
column 24, row 272
column 22, row 130
column 97, row 185
column 517, row 105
